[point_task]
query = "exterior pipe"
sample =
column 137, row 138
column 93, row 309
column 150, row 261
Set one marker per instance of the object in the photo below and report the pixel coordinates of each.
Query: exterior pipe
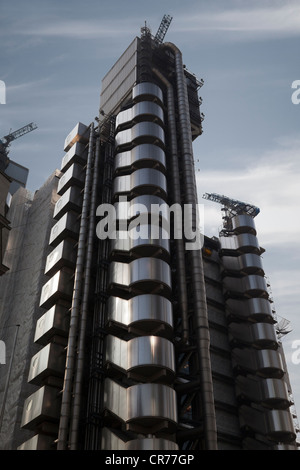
column 74, row 428
column 62, row 443
column 200, row 312
column 177, row 200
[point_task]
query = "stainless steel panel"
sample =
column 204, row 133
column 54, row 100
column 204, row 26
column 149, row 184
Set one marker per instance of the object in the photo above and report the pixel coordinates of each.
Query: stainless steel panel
column 268, row 392
column 144, row 269
column 146, row 312
column 245, row 242
column 54, row 322
column 265, row 363
column 41, row 406
column 260, row 335
column 60, row 286
column 141, row 205
column 76, row 154
column 151, row 401
column 144, row 245
column 143, row 132
column 152, row 180
column 39, row 442
column 252, row 285
column 80, row 133
column 243, row 223
column 280, row 425
column 71, row 200
column 67, row 227
column 147, row 90
column 62, row 255
column 145, row 404
column 248, row 263
column 256, row 309
column 144, row 155
column 146, row 353
column 142, row 110
column 48, row 362
column 74, row 176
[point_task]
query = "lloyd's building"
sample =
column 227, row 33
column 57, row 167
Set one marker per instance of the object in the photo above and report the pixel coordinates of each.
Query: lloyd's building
column 149, row 342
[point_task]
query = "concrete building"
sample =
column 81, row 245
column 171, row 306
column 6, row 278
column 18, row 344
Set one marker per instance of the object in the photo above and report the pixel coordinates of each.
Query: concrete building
column 164, row 342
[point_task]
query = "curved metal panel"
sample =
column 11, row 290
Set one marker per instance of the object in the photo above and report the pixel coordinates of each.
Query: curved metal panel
column 140, row 156
column 41, row 406
column 142, row 132
column 265, row 363
column 245, row 242
column 143, row 205
column 151, row 401
column 260, row 335
column 147, row 89
column 268, row 392
column 144, row 179
column 256, row 309
column 252, row 285
column 143, row 110
column 140, row 270
column 147, row 312
column 54, row 322
column 62, row 255
column 280, row 425
column 243, row 223
column 249, row 263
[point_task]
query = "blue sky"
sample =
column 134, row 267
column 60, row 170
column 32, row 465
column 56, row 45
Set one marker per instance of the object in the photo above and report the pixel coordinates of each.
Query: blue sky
column 54, row 55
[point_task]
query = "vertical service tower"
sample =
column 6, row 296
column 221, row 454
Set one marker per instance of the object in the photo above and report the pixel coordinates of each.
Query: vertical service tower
column 125, row 359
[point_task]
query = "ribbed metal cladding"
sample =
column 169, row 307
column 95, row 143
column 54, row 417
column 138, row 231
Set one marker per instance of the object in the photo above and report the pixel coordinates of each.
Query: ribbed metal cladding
column 139, row 311
column 256, row 351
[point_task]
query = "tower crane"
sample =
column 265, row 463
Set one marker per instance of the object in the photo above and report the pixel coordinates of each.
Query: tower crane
column 7, row 139
column 163, row 28
column 232, row 207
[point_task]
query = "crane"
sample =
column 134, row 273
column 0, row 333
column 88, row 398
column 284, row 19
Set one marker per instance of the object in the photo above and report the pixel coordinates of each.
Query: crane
column 163, row 28
column 7, row 139
column 232, row 207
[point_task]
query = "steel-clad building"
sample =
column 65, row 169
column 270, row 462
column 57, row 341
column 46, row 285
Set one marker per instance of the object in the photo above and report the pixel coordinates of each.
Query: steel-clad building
column 144, row 341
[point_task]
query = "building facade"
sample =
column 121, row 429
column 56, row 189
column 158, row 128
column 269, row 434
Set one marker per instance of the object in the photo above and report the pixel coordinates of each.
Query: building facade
column 148, row 334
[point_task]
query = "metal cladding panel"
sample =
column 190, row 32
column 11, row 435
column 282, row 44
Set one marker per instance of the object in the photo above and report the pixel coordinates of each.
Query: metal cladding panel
column 144, row 269
column 76, row 154
column 54, row 322
column 151, row 444
column 147, row 311
column 151, row 401
column 38, row 442
column 249, row 285
column 74, row 176
column 141, row 205
column 280, row 425
column 254, row 309
column 80, row 133
column 141, row 155
column 115, row 399
column 62, row 255
column 147, row 90
column 48, row 362
column 143, row 110
column 71, row 200
column 66, row 227
column 142, row 132
column 258, row 334
column 41, row 406
column 265, row 363
column 267, row 391
column 141, row 240
column 144, row 352
column 60, row 286
column 245, row 242
column 120, row 79
column 243, row 223
column 247, row 263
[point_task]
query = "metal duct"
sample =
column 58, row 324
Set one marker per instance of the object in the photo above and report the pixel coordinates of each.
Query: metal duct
column 200, row 308
column 75, row 309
